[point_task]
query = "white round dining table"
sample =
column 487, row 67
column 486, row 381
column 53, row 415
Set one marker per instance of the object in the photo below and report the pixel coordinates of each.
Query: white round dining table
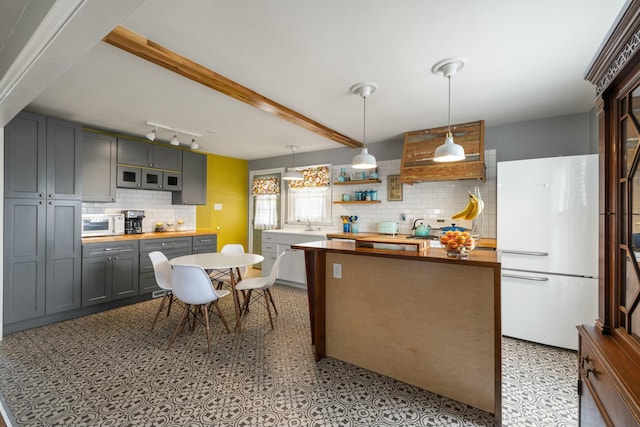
column 221, row 261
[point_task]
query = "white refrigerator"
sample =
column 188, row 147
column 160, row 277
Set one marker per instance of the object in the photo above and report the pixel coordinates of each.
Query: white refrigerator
column 547, row 233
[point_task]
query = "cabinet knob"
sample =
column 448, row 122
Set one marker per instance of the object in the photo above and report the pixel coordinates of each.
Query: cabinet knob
column 138, row 185
column 40, row 202
column 50, row 195
column 40, row 195
column 108, row 258
column 115, row 257
column 50, row 203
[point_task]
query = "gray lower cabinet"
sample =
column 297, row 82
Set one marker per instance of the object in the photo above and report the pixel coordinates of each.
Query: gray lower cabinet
column 24, row 259
column 109, row 272
column 63, row 255
column 42, row 258
column 171, row 248
column 194, row 180
column 98, row 167
column 207, row 243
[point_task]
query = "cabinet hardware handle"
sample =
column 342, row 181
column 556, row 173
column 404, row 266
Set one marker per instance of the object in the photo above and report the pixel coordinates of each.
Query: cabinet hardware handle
column 115, row 257
column 110, row 249
column 50, row 195
column 584, row 360
column 206, row 240
column 40, row 195
column 108, row 258
column 507, row 251
column 590, row 371
column 50, row 203
column 40, row 202
column 532, row 278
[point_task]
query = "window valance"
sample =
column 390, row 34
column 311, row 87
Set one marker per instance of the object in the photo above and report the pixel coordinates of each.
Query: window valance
column 269, row 185
column 317, row 176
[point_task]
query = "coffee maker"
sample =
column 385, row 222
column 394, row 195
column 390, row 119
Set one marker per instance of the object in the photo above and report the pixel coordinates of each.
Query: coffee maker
column 133, row 221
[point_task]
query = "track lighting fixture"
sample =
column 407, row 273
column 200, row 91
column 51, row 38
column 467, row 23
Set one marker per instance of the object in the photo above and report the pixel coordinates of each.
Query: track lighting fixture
column 152, row 135
column 174, row 141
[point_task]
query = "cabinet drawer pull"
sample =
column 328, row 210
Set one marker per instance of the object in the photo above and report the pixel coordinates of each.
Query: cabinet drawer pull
column 589, row 371
column 206, row 240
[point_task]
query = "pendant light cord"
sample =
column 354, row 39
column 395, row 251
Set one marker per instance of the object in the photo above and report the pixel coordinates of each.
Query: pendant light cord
column 449, row 113
column 364, row 123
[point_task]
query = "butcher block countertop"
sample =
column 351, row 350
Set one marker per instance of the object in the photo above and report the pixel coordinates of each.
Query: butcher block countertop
column 145, row 236
column 485, row 242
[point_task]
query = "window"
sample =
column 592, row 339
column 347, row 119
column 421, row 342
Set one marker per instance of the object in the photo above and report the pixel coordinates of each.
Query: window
column 266, row 197
column 310, row 198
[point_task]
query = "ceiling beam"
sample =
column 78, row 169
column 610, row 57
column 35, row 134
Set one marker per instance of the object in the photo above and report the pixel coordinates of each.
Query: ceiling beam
column 142, row 47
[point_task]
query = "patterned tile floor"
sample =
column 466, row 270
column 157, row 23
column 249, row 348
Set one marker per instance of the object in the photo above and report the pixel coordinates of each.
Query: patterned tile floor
column 108, row 370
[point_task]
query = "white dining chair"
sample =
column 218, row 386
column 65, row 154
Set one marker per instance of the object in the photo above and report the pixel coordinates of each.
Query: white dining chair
column 260, row 285
column 223, row 277
column 163, row 273
column 192, row 286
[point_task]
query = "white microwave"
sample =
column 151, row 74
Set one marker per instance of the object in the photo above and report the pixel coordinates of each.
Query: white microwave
column 94, row 225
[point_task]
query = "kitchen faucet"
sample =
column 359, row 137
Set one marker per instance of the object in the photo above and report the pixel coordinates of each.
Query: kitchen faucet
column 309, row 227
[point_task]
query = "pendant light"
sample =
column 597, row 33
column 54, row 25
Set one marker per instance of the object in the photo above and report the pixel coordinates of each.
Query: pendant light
column 364, row 160
column 292, row 174
column 449, row 151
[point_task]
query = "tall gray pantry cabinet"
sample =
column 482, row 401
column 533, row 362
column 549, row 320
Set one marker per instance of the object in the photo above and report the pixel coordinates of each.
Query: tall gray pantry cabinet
column 42, row 246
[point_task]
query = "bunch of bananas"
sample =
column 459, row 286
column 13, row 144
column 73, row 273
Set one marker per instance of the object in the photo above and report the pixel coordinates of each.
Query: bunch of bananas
column 472, row 210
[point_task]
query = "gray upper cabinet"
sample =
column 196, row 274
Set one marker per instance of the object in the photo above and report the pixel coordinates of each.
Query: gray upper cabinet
column 64, row 160
column 135, row 153
column 98, row 167
column 25, row 164
column 166, row 158
column 194, row 180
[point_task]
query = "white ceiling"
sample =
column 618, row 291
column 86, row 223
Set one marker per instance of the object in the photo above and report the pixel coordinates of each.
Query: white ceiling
column 526, row 60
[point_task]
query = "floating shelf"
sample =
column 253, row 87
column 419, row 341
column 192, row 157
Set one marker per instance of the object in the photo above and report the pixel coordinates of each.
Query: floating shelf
column 358, row 181
column 357, row 201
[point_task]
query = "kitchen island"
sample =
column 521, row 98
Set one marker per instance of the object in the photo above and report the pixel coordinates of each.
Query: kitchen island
column 419, row 317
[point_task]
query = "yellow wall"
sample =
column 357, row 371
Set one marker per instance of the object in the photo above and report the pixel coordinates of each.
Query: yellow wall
column 227, row 184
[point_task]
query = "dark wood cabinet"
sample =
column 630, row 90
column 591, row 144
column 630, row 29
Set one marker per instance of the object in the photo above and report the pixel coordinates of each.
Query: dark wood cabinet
column 98, row 167
column 610, row 350
column 194, row 180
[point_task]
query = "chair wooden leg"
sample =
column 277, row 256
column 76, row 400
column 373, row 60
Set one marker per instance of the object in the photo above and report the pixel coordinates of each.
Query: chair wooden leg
column 266, row 301
column 155, row 319
column 268, row 291
column 224, row 321
column 180, row 326
column 247, row 298
column 205, row 313
column 170, row 303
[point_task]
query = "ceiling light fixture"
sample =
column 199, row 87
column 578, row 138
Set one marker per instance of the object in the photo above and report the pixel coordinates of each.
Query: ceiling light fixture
column 449, row 151
column 292, row 174
column 152, row 135
column 174, row 141
column 364, row 160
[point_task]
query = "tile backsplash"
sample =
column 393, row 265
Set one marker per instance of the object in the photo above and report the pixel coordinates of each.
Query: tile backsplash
column 156, row 205
column 421, row 200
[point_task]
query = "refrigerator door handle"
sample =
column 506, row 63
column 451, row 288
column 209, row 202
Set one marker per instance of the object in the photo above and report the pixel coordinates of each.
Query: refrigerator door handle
column 507, row 251
column 532, row 278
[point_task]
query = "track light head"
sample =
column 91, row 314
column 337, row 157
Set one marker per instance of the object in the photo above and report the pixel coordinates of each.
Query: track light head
column 194, row 144
column 174, row 140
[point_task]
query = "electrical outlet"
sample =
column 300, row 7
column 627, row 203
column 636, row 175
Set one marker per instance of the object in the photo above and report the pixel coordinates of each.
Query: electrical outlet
column 337, row 271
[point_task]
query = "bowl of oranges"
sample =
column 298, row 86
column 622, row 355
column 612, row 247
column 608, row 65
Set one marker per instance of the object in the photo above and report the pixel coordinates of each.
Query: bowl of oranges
column 458, row 244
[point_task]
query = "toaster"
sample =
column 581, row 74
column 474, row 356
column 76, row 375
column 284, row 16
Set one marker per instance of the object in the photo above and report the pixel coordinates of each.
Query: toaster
column 388, row 227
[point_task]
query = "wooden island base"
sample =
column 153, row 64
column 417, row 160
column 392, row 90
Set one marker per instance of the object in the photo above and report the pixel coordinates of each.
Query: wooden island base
column 423, row 319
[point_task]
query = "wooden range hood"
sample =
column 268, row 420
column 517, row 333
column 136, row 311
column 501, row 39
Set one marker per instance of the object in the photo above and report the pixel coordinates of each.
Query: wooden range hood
column 419, row 146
